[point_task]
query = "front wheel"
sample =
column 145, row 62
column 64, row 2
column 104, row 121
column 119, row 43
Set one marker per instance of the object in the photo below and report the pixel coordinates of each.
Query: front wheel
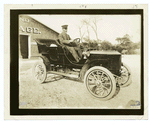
column 39, row 72
column 100, row 82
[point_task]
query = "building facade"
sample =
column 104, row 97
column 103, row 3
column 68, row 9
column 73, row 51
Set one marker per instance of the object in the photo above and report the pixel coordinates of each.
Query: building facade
column 29, row 30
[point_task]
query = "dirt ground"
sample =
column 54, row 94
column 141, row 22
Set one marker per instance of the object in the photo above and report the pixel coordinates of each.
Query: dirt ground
column 66, row 93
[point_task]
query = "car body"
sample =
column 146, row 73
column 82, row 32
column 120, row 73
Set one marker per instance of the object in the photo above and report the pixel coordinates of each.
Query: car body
column 106, row 65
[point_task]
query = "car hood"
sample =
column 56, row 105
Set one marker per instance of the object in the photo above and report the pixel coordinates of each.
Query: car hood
column 105, row 52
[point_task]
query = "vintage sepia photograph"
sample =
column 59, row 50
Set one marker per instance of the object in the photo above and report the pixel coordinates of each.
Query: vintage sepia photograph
column 79, row 61
column 84, row 60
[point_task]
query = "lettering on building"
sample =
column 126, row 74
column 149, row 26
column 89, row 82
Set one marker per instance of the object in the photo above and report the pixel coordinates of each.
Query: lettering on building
column 30, row 30
column 24, row 19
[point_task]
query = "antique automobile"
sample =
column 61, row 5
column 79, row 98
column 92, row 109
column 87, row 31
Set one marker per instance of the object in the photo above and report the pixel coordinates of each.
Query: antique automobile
column 101, row 71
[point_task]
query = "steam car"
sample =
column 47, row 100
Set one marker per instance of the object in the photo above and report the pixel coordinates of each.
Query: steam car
column 102, row 72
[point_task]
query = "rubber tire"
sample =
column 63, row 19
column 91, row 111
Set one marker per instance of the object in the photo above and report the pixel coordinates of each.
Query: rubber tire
column 113, row 91
column 33, row 72
column 130, row 77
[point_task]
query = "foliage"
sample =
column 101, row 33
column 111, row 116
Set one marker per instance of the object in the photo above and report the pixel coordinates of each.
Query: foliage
column 106, row 45
column 91, row 44
column 125, row 45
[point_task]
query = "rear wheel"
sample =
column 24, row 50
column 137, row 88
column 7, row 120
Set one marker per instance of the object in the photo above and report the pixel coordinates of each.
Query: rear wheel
column 125, row 76
column 39, row 72
column 100, row 83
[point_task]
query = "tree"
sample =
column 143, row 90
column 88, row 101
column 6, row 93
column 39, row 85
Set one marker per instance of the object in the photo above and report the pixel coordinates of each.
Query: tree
column 86, row 23
column 86, row 39
column 136, row 45
column 106, row 45
column 126, row 45
column 125, row 40
column 119, row 48
column 80, row 31
column 93, row 23
column 92, row 44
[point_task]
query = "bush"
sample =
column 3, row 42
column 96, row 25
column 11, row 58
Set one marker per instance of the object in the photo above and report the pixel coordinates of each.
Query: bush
column 106, row 45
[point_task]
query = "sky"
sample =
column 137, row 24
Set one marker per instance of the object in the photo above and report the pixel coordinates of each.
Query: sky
column 109, row 26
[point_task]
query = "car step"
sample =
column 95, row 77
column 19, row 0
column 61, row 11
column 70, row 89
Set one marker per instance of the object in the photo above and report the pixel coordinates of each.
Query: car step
column 63, row 74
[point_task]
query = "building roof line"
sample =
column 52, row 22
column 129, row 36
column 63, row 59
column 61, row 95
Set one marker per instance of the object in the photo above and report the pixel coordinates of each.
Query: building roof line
column 43, row 24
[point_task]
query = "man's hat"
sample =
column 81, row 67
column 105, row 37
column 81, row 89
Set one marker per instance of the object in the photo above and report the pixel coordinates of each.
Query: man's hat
column 64, row 26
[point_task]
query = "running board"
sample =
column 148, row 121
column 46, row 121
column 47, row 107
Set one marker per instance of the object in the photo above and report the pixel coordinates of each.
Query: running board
column 63, row 74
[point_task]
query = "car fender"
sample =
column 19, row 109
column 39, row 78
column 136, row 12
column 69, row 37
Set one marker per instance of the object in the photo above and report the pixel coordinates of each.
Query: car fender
column 90, row 63
column 44, row 59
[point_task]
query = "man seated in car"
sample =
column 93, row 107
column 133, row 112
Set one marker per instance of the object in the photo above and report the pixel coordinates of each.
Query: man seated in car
column 65, row 39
